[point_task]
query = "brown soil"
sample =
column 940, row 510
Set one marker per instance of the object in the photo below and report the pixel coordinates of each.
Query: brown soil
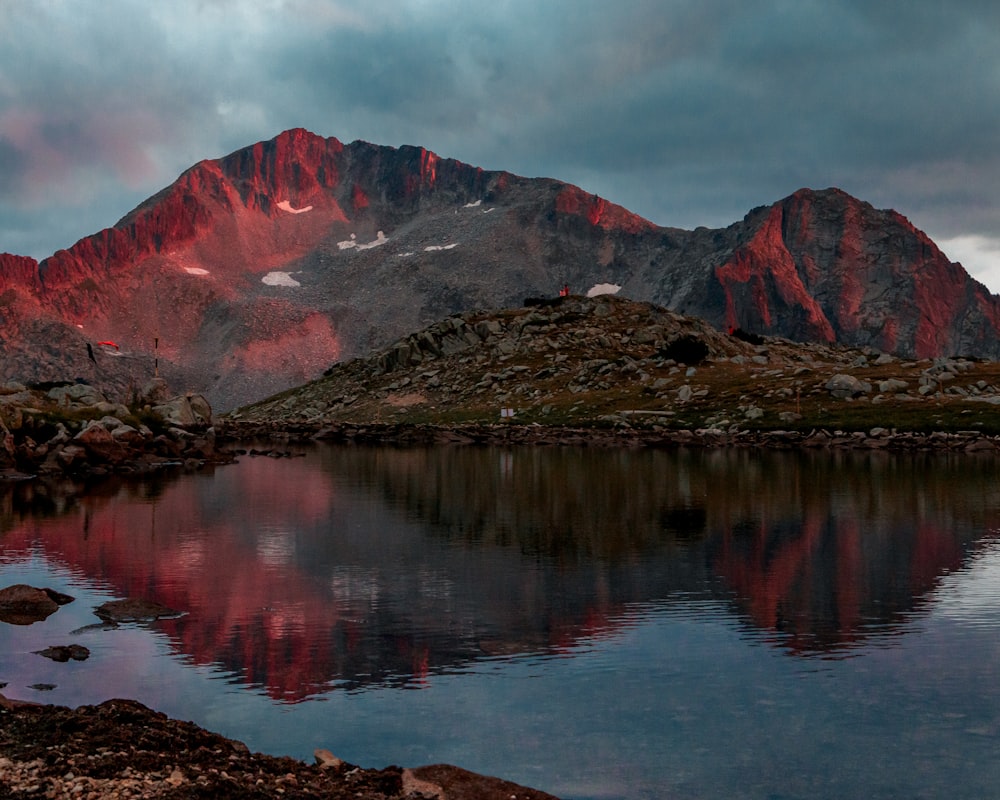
column 121, row 749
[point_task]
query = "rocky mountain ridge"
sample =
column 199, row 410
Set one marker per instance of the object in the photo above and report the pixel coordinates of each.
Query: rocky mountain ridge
column 256, row 271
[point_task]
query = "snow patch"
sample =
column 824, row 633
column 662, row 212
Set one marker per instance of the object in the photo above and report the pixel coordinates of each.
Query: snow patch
column 354, row 244
column 279, row 279
column 434, row 247
column 285, row 205
column 488, row 210
column 603, row 288
column 406, row 254
column 196, row 271
column 473, row 205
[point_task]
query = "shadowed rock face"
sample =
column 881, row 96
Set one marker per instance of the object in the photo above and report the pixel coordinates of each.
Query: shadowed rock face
column 256, row 271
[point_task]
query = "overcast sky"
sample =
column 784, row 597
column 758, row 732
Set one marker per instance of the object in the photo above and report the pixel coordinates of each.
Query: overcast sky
column 688, row 112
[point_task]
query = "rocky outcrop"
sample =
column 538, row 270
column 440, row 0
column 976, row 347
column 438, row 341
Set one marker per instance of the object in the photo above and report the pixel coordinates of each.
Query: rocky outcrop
column 71, row 428
column 18, row 273
column 606, row 371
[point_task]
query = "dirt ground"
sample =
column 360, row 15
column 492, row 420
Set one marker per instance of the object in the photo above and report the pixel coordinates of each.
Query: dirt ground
column 121, row 749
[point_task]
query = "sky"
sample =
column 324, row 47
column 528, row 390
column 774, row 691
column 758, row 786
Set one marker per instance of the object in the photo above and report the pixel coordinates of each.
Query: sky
column 687, row 112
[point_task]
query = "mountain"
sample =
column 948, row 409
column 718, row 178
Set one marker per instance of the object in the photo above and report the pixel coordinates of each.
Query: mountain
column 256, row 271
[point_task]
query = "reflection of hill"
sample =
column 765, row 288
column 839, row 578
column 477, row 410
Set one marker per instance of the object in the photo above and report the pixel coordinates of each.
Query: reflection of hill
column 821, row 549
column 833, row 549
column 357, row 566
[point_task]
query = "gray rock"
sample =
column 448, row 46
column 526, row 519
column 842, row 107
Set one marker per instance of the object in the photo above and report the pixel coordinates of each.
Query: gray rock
column 80, row 394
column 326, row 760
column 126, row 434
column 156, row 391
column 185, row 411
column 68, row 455
column 846, row 386
column 892, row 386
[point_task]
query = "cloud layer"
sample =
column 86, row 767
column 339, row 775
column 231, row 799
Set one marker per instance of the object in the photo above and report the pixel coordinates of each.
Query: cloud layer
column 689, row 112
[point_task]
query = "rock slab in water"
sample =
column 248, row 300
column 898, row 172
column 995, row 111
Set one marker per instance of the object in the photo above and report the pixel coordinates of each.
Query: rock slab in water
column 21, row 604
column 65, row 652
column 134, row 610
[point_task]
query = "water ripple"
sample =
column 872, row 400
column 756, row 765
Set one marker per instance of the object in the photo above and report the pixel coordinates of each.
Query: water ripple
column 971, row 596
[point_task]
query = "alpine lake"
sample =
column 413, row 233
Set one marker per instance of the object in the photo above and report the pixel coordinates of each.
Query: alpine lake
column 592, row 622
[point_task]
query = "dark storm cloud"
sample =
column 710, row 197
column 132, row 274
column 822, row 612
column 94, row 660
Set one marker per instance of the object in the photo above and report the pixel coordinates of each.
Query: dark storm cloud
column 11, row 167
column 686, row 111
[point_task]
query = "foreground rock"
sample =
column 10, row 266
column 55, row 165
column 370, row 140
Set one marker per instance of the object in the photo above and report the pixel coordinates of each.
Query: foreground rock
column 72, row 429
column 121, row 749
column 21, row 604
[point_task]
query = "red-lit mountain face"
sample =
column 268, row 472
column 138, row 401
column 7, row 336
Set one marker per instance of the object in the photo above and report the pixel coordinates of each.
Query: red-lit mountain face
column 256, row 271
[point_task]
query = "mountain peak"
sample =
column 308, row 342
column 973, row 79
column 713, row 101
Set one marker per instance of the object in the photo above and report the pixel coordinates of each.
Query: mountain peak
column 255, row 271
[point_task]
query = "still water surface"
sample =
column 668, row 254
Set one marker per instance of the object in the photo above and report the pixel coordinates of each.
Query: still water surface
column 594, row 623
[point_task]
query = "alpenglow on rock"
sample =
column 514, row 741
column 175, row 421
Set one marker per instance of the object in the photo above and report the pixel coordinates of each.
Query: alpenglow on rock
column 258, row 270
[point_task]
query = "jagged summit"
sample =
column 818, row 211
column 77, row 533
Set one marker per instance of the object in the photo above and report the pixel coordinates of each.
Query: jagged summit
column 256, row 271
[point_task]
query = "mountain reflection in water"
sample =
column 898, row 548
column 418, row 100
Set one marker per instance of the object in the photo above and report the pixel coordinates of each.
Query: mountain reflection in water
column 353, row 568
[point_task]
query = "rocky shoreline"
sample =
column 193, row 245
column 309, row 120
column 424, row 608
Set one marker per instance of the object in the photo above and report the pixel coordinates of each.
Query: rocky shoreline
column 121, row 749
column 71, row 429
column 575, row 371
column 402, row 434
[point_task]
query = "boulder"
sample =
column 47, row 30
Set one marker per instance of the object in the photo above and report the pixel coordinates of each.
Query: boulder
column 326, row 760
column 455, row 783
column 126, row 434
column 186, row 411
column 65, row 652
column 156, row 391
column 100, row 444
column 892, row 386
column 66, row 456
column 80, row 394
column 21, row 604
column 846, row 386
